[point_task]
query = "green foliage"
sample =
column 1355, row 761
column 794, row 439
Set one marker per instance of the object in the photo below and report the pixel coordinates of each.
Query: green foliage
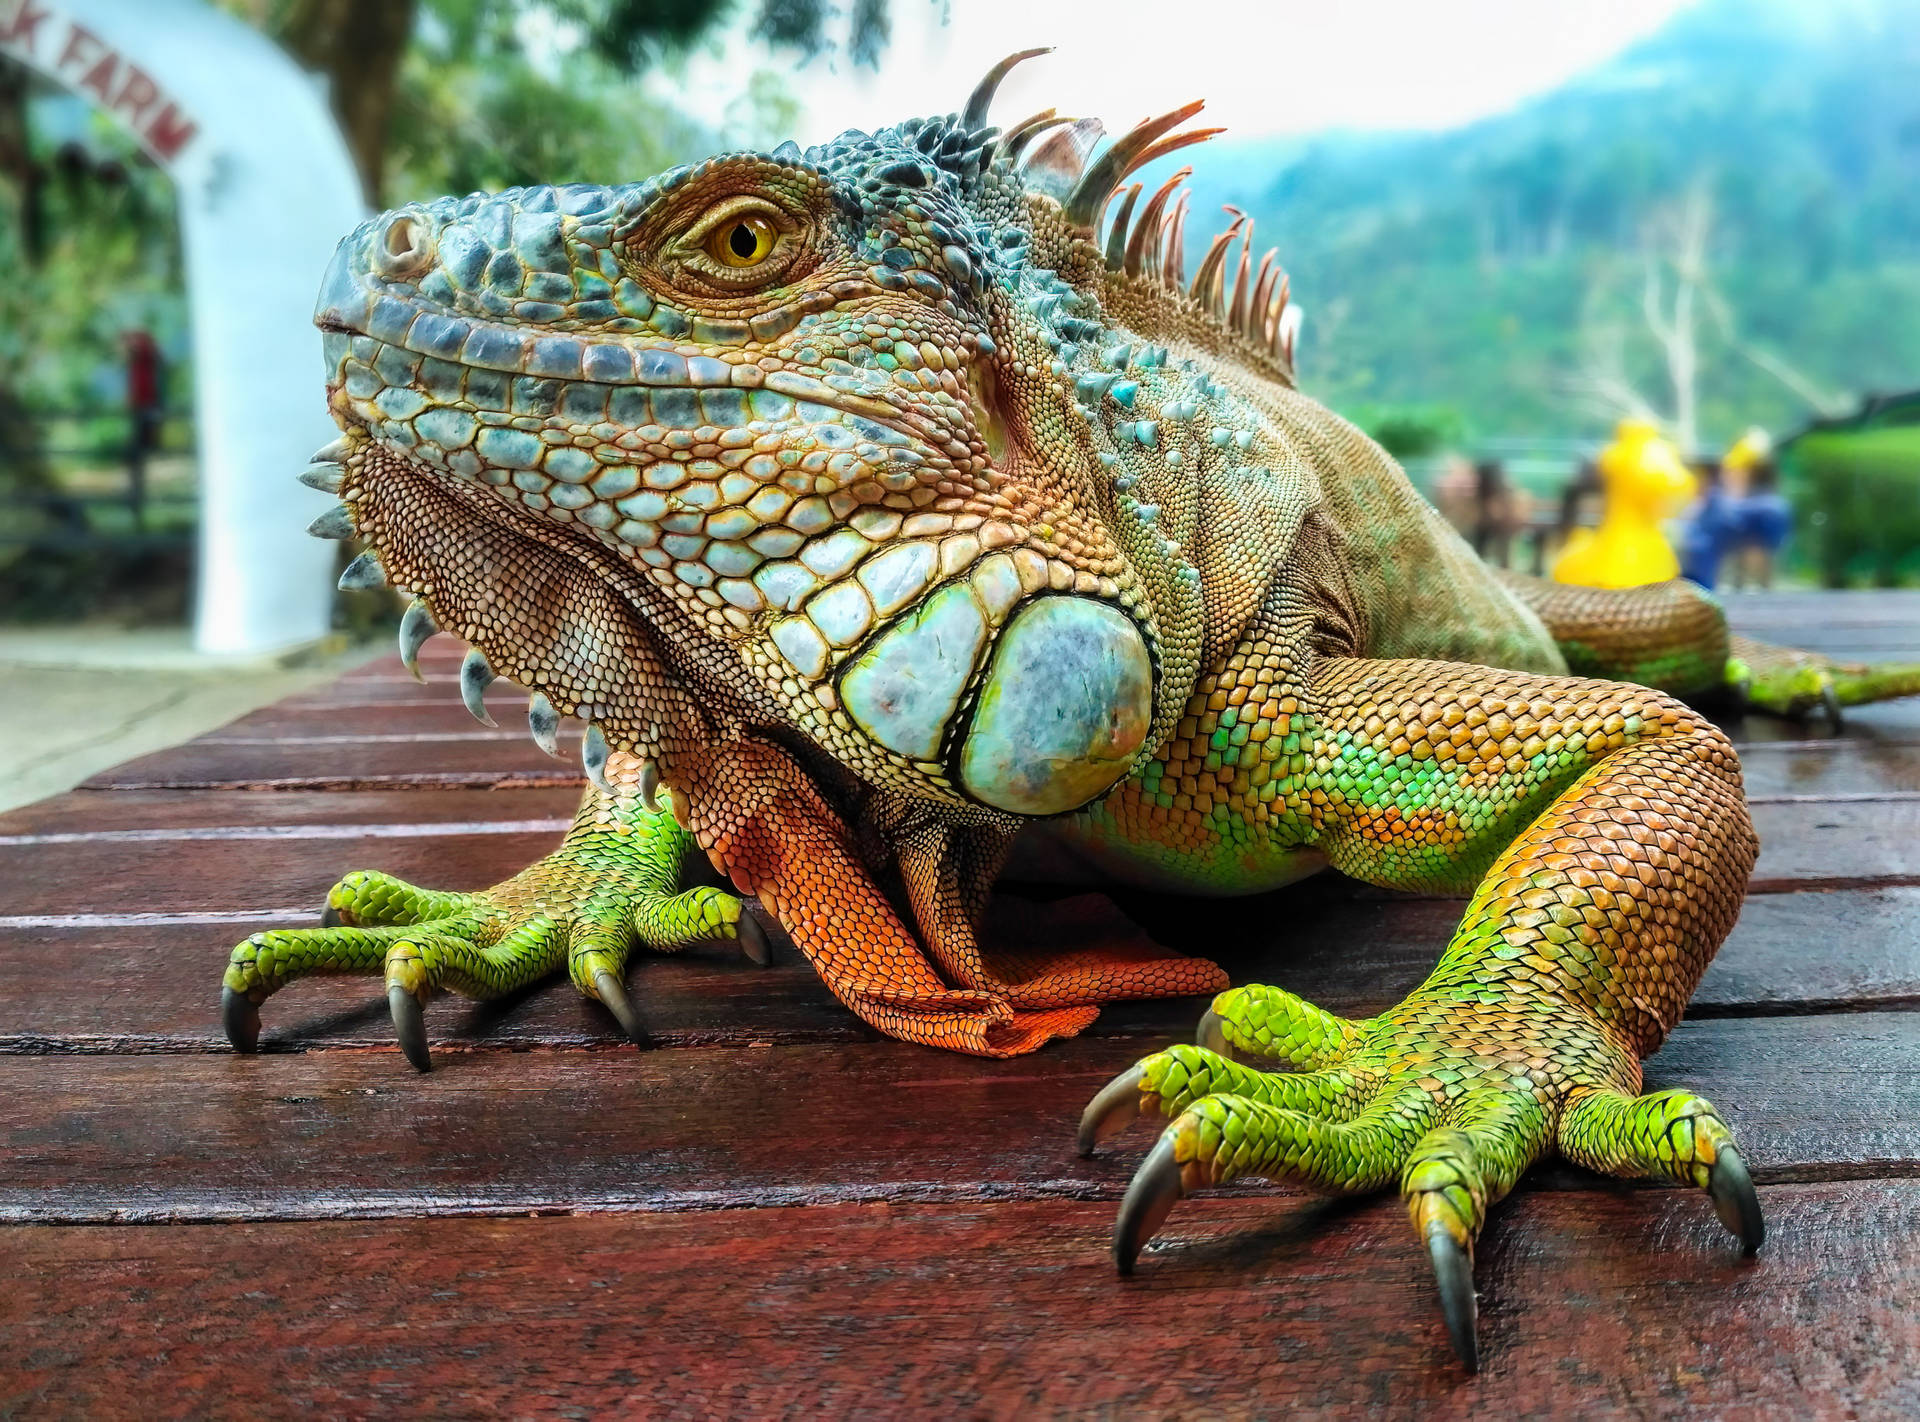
column 111, row 263
column 1858, row 493
column 1481, row 268
column 1410, row 431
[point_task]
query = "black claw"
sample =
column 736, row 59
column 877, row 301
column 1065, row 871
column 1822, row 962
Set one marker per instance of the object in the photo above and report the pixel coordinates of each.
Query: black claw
column 1453, row 1272
column 1156, row 1188
column 240, row 1015
column 330, row 918
column 1117, row 1104
column 614, row 998
column 1210, row 1032
column 410, row 1023
column 753, row 939
column 1830, row 702
column 1734, row 1200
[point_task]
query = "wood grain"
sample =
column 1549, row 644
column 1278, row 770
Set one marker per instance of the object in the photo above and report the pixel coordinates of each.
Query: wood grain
column 1593, row 1304
column 352, row 1133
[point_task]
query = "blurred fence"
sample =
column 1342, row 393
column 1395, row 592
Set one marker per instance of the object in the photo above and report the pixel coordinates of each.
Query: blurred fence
column 86, row 479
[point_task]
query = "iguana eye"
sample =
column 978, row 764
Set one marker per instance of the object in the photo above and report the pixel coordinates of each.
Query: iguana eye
column 740, row 244
column 744, row 241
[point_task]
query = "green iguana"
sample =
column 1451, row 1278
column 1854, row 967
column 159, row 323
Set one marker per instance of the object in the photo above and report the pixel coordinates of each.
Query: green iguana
column 871, row 508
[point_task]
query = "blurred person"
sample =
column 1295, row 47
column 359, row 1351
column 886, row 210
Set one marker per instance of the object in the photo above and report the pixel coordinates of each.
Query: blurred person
column 1642, row 481
column 1759, row 514
column 1455, row 493
column 1495, row 513
column 1709, row 531
column 146, row 381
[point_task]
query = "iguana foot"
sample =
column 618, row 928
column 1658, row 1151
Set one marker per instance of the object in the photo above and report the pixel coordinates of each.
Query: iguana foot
column 1786, row 690
column 586, row 906
column 1453, row 1098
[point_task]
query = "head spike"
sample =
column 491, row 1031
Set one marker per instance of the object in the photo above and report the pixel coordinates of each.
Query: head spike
column 1058, row 163
column 975, row 114
column 1021, row 134
column 1143, row 247
column 1116, row 248
column 1111, row 168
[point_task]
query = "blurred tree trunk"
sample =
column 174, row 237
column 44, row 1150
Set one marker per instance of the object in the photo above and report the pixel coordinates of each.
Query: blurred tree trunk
column 358, row 45
column 17, row 165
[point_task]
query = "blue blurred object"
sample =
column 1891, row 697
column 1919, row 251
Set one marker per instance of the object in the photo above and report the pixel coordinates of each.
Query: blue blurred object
column 1712, row 530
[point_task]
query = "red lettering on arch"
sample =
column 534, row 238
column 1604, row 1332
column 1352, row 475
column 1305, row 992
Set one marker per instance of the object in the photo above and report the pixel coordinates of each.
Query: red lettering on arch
column 79, row 38
column 25, row 29
column 170, row 132
column 99, row 79
column 136, row 96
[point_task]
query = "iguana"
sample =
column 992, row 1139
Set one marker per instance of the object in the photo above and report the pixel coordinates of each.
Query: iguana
column 874, row 511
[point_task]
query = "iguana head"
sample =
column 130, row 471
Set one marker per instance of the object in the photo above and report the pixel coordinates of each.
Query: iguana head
column 876, row 443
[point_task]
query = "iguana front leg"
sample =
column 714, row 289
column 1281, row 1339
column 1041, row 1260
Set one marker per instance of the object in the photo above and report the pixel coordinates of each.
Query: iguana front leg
column 612, row 886
column 1606, row 831
column 766, row 827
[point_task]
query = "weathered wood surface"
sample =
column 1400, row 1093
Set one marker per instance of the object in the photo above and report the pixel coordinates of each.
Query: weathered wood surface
column 783, row 1213
column 1594, row 1304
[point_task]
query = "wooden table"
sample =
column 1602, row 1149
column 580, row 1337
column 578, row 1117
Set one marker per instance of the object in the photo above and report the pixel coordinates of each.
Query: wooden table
column 773, row 1210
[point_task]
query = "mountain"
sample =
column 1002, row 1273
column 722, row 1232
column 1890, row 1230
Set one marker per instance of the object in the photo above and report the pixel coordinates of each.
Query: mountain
column 1498, row 271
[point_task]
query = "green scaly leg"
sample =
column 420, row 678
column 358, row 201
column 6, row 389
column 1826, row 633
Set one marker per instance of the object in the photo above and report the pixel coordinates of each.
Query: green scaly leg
column 611, row 887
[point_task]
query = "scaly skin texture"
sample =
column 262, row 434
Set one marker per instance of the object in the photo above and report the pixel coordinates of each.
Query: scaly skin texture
column 873, row 507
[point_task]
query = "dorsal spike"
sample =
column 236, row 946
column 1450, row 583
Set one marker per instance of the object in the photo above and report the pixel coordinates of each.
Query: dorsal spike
column 1058, row 163
column 1024, row 132
column 1172, row 143
column 1206, row 279
column 1262, row 294
column 975, row 114
column 1145, row 243
column 1090, row 193
column 1173, row 265
column 1117, row 234
column 1276, row 313
column 1243, row 282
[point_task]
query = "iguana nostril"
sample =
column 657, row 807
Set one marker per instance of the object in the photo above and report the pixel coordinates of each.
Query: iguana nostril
column 406, row 247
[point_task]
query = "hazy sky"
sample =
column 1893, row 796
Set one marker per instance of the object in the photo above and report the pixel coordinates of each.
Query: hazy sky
column 1264, row 66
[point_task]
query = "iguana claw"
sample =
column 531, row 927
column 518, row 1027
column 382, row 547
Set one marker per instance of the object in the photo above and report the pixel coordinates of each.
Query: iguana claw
column 1117, row 1105
column 1157, row 1187
column 410, row 1025
column 613, row 997
column 753, row 940
column 1453, row 1272
column 240, row 1015
column 1731, row 1189
column 1210, row 1032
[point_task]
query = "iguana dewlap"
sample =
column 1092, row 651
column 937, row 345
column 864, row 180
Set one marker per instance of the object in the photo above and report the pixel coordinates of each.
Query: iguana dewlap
column 874, row 504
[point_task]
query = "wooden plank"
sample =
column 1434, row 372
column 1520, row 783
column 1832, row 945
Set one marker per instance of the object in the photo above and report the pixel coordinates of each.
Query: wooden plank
column 1838, row 843
column 960, row 1309
column 394, row 747
column 1248, row 1309
column 184, row 816
column 115, row 937
column 356, row 1133
column 1852, row 844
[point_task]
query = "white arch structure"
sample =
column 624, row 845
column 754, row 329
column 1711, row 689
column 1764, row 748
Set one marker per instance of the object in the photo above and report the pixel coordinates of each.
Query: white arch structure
column 265, row 187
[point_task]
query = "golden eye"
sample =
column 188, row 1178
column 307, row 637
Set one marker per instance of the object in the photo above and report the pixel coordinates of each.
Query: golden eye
column 744, row 241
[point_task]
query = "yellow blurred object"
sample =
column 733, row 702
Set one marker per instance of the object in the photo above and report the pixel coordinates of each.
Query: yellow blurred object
column 1643, row 482
column 1753, row 448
